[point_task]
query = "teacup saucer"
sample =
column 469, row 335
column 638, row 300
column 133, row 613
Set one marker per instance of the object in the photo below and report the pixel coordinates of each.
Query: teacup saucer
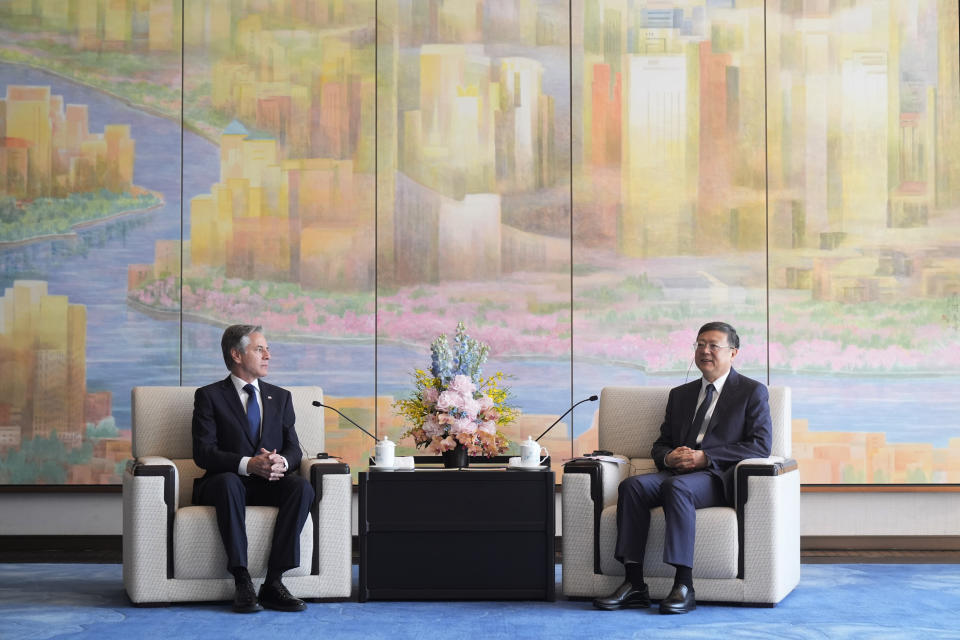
column 527, row 467
column 374, row 467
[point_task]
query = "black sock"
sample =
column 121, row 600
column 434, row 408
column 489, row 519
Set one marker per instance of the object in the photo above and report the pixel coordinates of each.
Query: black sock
column 635, row 573
column 684, row 576
column 273, row 576
column 240, row 574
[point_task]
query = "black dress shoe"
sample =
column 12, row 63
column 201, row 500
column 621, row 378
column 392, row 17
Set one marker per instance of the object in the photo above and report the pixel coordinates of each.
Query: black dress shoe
column 276, row 596
column 679, row 600
column 626, row 596
column 245, row 599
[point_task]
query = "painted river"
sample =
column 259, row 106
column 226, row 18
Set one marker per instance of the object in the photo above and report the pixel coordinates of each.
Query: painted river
column 126, row 347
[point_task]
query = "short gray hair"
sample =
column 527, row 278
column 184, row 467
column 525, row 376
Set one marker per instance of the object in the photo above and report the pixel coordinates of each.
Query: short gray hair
column 236, row 337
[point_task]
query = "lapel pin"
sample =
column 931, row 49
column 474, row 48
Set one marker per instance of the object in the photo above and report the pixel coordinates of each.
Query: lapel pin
column 269, row 397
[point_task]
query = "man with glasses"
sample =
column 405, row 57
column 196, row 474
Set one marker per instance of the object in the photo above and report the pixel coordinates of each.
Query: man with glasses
column 711, row 424
column 245, row 440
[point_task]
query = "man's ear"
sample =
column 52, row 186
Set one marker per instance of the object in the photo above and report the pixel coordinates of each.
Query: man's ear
column 236, row 356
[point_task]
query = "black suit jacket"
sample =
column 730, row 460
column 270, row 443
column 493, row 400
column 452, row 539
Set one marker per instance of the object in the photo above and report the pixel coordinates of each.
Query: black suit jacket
column 220, row 434
column 739, row 428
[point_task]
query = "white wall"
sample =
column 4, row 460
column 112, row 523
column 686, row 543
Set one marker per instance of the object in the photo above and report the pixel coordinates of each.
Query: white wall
column 54, row 514
column 822, row 514
column 880, row 514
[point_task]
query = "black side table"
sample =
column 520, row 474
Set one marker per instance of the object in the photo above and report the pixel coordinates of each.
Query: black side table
column 447, row 534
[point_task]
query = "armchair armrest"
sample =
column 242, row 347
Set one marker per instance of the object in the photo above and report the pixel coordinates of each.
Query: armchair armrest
column 140, row 491
column 313, row 469
column 605, row 478
column 334, row 510
column 773, row 468
column 770, row 460
column 163, row 467
column 769, row 467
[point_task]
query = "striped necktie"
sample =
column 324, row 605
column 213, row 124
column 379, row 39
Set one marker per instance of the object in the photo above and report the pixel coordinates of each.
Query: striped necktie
column 699, row 420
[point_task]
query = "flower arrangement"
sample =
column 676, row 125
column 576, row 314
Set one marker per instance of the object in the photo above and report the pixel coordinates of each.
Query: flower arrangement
column 454, row 404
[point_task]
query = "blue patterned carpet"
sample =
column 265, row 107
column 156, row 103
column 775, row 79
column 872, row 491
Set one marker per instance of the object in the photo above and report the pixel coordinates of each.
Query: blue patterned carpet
column 833, row 602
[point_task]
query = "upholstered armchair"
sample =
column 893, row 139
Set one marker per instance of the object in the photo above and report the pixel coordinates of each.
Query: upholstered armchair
column 172, row 549
column 748, row 553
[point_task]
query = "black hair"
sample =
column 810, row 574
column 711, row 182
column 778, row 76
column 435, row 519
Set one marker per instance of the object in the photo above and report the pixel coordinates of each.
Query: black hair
column 732, row 338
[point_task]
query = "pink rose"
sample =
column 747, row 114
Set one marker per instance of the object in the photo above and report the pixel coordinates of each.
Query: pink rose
column 464, row 425
column 470, row 407
column 491, row 414
column 486, row 403
column 488, row 426
column 431, row 426
column 448, row 400
column 463, row 385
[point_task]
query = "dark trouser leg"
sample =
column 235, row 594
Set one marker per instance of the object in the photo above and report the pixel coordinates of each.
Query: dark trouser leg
column 293, row 496
column 227, row 493
column 681, row 496
column 637, row 495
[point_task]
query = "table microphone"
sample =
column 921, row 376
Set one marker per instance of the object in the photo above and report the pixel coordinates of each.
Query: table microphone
column 590, row 399
column 317, row 403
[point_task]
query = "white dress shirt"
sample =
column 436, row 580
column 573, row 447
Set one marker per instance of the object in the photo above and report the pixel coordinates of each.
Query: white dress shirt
column 244, row 399
column 717, row 388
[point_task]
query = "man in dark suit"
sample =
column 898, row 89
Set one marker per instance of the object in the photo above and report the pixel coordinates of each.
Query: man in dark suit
column 710, row 425
column 245, row 440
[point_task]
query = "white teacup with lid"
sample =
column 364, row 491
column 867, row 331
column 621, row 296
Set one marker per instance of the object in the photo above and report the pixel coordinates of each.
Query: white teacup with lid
column 385, row 453
column 530, row 453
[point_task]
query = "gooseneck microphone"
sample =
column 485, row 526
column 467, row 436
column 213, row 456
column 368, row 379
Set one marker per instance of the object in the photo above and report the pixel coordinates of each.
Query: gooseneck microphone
column 317, row 403
column 590, row 399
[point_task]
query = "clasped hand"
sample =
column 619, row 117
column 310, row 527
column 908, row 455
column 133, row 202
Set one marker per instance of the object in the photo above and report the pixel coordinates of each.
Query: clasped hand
column 686, row 459
column 267, row 464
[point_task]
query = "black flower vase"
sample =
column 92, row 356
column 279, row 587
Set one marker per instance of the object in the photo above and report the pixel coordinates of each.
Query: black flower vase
column 456, row 458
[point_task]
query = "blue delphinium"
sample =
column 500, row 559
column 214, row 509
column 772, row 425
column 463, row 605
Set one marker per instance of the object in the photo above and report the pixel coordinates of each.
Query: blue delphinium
column 467, row 357
column 441, row 360
column 471, row 354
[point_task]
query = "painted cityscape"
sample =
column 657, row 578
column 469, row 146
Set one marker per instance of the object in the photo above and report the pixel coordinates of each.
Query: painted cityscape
column 583, row 183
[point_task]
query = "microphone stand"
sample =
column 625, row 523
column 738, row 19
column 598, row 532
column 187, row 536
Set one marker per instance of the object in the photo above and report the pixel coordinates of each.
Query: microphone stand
column 590, row 399
column 317, row 403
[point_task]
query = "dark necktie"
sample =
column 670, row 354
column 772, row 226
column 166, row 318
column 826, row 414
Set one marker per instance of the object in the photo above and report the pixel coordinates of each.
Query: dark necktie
column 253, row 411
column 699, row 421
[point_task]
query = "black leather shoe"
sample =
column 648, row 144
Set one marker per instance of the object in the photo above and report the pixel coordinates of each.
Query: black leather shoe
column 625, row 597
column 245, row 599
column 679, row 600
column 277, row 597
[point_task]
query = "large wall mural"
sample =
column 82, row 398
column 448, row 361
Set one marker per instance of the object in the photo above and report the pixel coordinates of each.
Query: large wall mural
column 582, row 183
column 473, row 211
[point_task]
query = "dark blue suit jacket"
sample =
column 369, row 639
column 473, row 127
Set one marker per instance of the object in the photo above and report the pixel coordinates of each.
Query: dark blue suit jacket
column 220, row 434
column 739, row 428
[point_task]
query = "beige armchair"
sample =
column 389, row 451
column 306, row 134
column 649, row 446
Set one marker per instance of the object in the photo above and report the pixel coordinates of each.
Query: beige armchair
column 749, row 553
column 172, row 549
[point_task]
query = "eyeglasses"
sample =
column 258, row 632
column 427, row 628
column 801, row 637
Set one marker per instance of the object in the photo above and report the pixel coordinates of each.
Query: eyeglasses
column 712, row 347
